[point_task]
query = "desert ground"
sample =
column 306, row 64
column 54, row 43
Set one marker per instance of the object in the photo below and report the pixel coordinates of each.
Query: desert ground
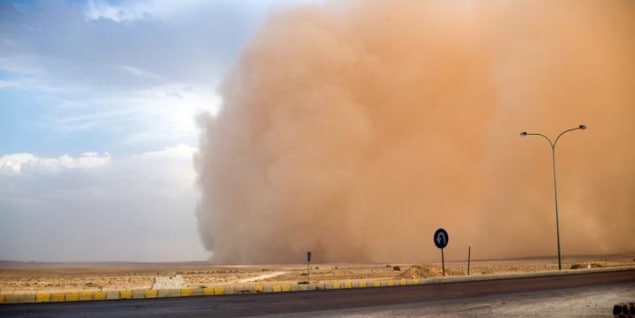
column 33, row 277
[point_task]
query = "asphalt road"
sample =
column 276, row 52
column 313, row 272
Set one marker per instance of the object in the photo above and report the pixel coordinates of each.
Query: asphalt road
column 297, row 302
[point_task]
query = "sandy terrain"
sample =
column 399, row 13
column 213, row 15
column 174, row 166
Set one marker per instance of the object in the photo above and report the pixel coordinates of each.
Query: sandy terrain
column 30, row 277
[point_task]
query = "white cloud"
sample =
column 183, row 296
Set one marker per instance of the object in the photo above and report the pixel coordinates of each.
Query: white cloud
column 27, row 163
column 175, row 9
column 138, row 72
column 8, row 84
column 100, row 207
column 180, row 151
column 103, row 10
column 155, row 116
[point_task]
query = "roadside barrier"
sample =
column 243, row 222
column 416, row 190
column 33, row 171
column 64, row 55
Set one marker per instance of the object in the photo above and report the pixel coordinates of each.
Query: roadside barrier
column 619, row 310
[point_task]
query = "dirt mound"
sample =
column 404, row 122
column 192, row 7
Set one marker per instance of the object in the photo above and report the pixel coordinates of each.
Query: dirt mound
column 427, row 271
column 168, row 282
column 587, row 266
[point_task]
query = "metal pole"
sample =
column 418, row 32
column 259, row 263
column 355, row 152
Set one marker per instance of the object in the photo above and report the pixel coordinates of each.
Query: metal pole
column 442, row 262
column 555, row 186
column 555, row 196
column 308, row 267
column 469, row 252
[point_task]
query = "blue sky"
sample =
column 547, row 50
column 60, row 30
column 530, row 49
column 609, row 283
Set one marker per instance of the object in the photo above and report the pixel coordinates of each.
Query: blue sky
column 77, row 75
column 98, row 101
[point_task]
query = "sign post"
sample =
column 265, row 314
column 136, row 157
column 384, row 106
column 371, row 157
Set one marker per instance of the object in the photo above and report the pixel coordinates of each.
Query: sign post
column 469, row 253
column 441, row 239
column 308, row 268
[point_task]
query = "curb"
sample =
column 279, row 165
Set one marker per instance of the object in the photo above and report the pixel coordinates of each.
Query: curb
column 270, row 288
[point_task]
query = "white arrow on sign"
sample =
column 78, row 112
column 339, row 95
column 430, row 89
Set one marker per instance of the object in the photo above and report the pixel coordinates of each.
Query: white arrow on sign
column 441, row 239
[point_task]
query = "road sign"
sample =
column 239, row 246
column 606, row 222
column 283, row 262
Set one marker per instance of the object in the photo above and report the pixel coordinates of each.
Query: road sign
column 441, row 238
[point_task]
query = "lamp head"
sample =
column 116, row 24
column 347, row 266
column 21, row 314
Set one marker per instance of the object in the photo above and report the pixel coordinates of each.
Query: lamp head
column 583, row 126
column 524, row 133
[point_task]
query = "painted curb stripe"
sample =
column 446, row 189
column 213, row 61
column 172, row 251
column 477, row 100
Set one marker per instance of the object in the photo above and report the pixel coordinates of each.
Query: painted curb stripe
column 224, row 290
column 43, row 298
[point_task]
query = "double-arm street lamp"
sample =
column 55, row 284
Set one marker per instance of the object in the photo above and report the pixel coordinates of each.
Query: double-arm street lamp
column 555, row 188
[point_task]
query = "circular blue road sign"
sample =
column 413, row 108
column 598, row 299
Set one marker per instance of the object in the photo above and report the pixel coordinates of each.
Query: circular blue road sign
column 441, row 238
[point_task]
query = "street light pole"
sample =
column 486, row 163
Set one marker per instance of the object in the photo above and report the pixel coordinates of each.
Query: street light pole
column 555, row 187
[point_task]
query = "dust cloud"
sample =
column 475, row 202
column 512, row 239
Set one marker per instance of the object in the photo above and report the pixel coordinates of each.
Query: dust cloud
column 355, row 130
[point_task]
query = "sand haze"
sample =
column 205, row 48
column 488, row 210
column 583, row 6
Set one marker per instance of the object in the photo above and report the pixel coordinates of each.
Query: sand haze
column 355, row 130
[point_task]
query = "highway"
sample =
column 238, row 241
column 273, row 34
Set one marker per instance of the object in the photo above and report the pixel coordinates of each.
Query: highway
column 312, row 301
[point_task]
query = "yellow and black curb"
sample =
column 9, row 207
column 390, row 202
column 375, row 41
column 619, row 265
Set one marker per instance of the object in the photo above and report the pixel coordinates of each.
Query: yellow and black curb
column 44, row 297
column 185, row 292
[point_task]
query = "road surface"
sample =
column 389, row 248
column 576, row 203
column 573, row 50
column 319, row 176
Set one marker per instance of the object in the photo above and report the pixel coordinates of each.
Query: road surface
column 329, row 301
